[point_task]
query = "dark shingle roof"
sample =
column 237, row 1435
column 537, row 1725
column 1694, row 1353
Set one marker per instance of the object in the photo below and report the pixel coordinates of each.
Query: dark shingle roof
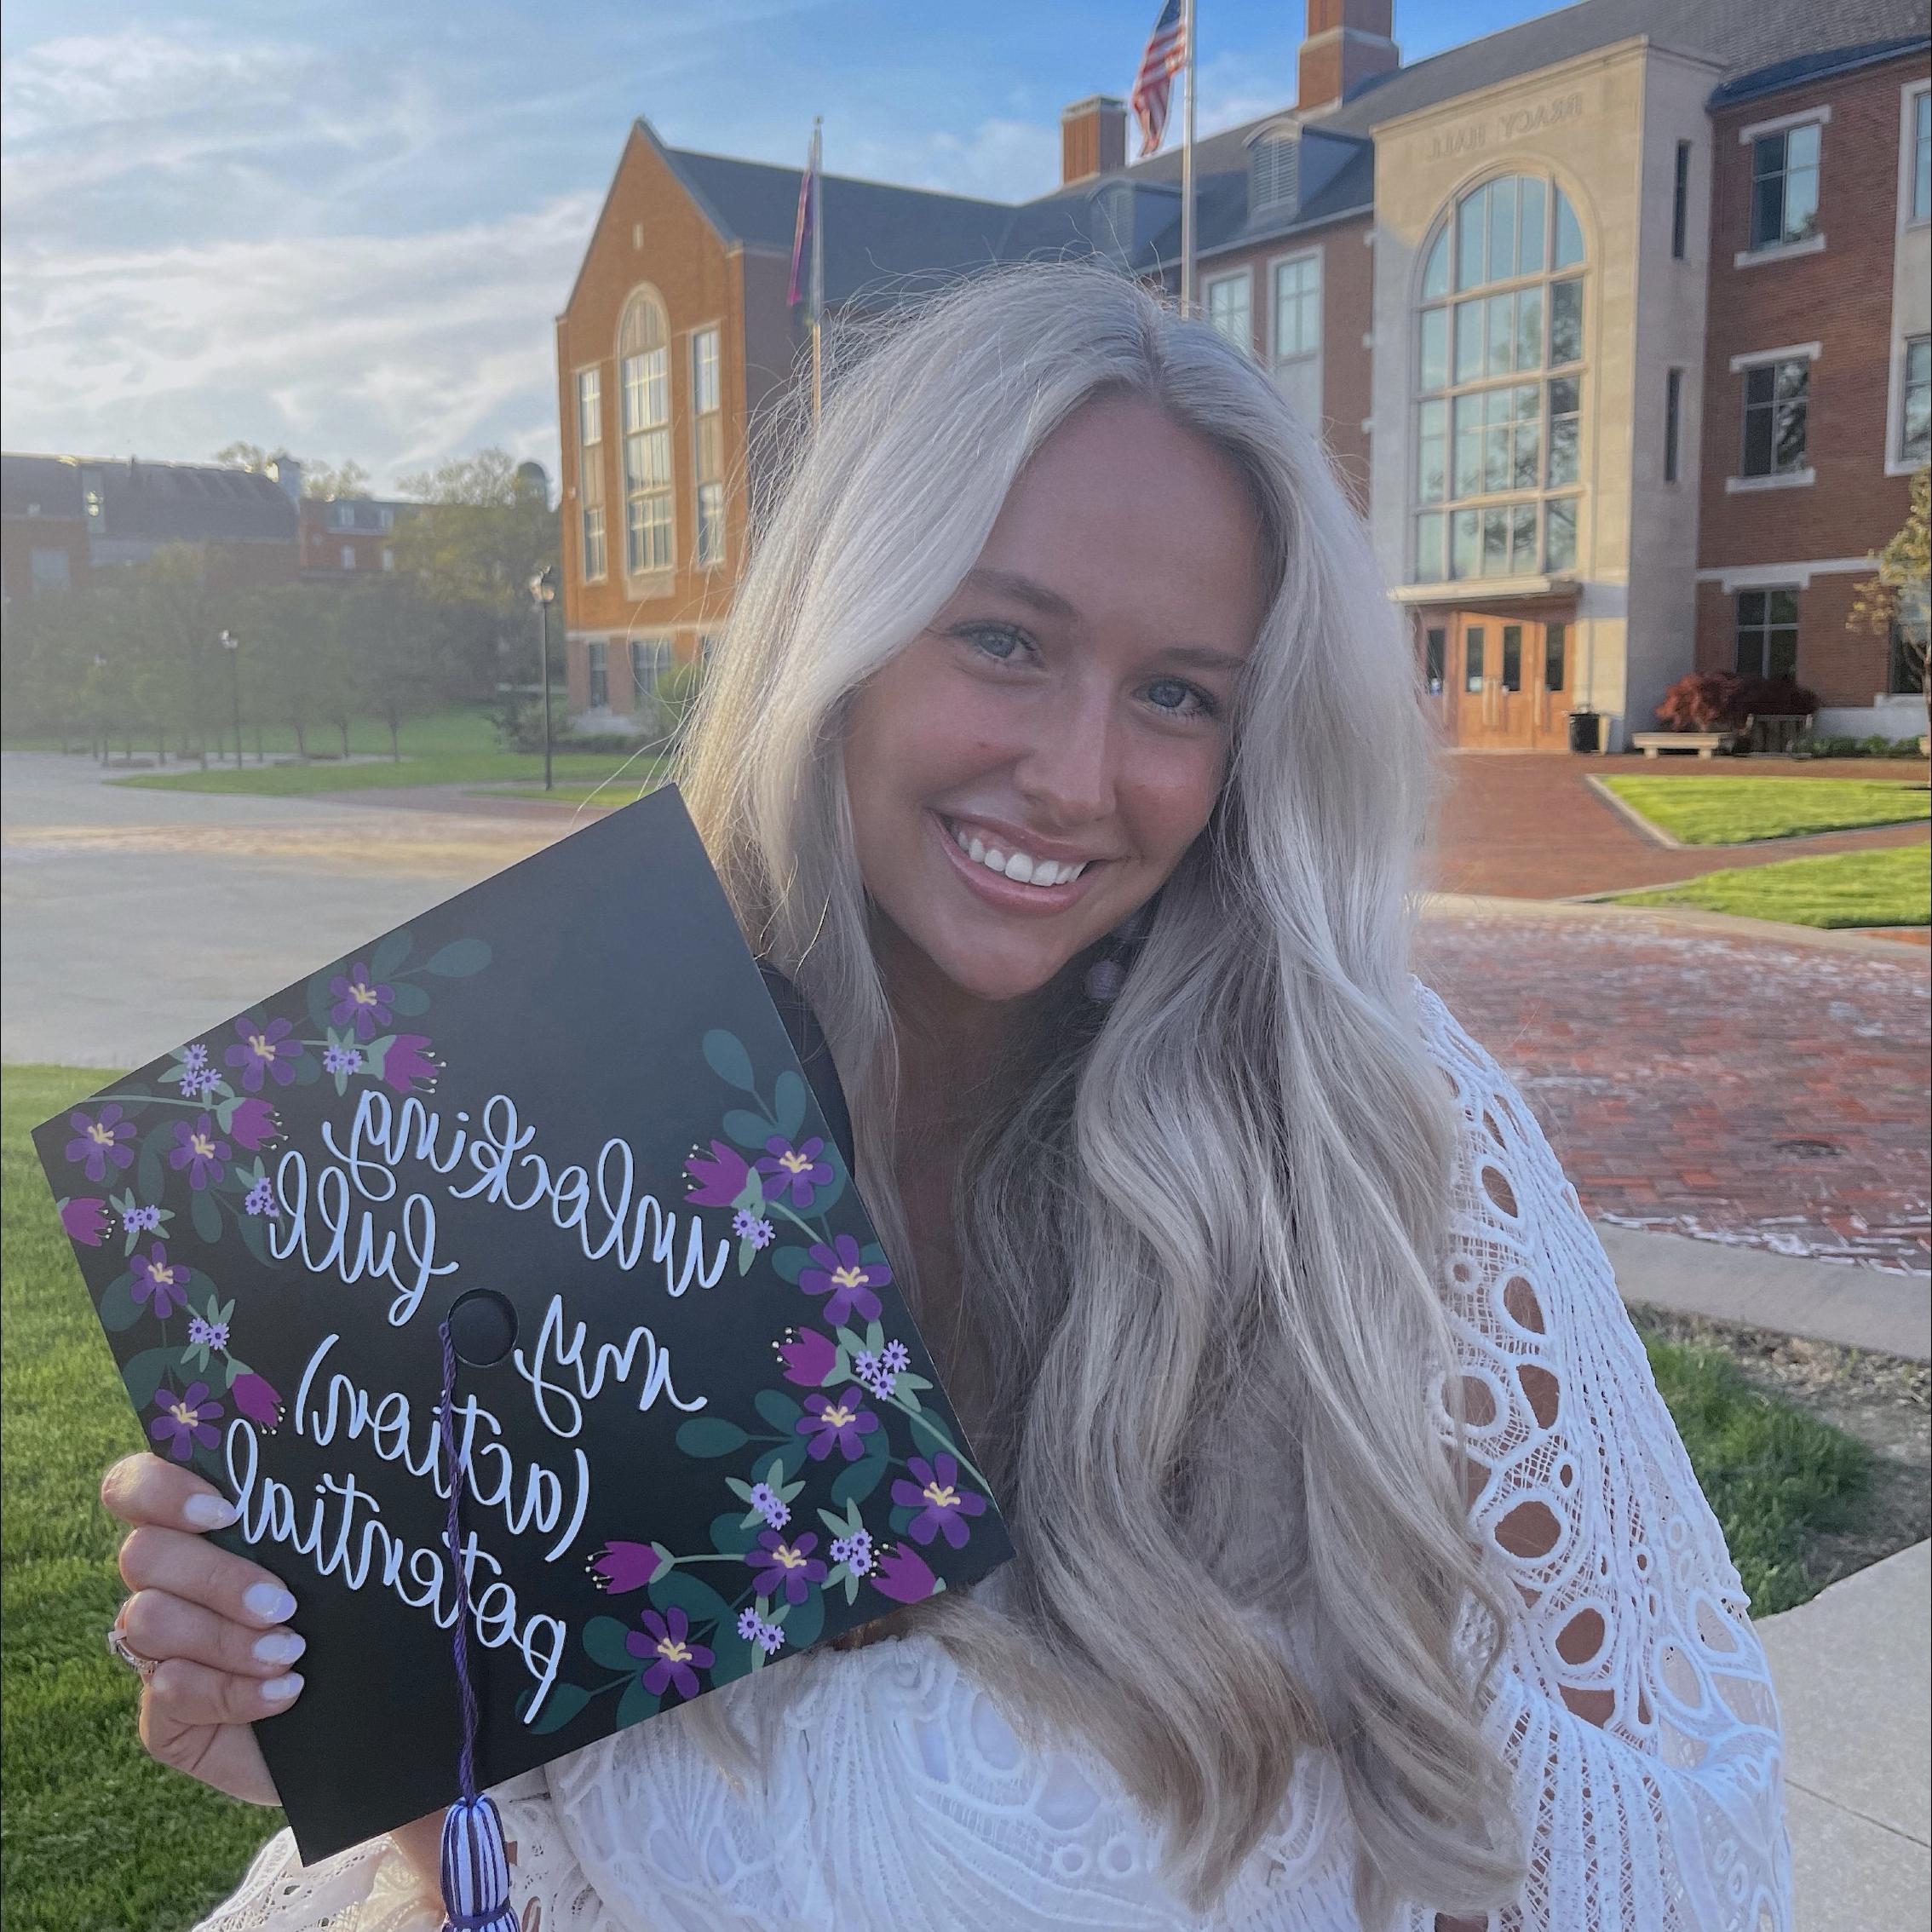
column 38, row 485
column 182, row 503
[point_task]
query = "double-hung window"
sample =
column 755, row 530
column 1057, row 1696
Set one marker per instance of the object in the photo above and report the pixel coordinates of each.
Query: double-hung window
column 1921, row 189
column 1784, row 185
column 597, row 663
column 1776, row 401
column 707, row 417
column 1767, row 635
column 644, row 382
column 1230, row 308
column 1915, row 424
column 590, row 473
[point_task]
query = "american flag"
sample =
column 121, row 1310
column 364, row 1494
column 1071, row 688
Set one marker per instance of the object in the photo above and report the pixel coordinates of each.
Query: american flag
column 1166, row 56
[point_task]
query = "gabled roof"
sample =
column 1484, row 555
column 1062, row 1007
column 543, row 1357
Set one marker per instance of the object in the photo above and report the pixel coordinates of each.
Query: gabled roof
column 39, row 486
column 184, row 503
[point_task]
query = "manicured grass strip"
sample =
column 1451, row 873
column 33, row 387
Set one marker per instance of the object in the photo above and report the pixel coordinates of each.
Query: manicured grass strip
column 644, row 776
column 456, row 727
column 1775, row 1477
column 1889, row 888
column 1732, row 811
column 458, row 767
column 96, row 1833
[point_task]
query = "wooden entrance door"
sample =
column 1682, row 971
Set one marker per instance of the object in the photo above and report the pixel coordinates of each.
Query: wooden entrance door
column 1512, row 678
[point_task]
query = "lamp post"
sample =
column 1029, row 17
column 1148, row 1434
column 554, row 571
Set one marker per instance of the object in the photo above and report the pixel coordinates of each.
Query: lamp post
column 100, row 665
column 232, row 644
column 542, row 591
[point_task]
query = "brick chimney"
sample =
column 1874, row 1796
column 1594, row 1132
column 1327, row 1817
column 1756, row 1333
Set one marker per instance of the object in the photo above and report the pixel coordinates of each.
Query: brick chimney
column 1093, row 139
column 1348, row 41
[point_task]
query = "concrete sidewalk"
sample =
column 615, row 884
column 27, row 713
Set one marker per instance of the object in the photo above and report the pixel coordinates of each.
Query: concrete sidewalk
column 1854, row 1690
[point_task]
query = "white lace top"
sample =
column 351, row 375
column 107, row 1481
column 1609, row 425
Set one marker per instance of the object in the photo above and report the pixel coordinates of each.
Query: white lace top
column 1633, row 1699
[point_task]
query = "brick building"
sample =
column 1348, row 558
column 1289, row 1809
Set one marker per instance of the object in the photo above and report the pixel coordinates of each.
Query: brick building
column 1567, row 301
column 65, row 519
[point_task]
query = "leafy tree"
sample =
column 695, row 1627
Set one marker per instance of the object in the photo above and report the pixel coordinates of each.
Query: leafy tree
column 389, row 652
column 1900, row 597
column 245, row 456
column 345, row 479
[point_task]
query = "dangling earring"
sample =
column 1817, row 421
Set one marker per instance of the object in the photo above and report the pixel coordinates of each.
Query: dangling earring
column 1109, row 973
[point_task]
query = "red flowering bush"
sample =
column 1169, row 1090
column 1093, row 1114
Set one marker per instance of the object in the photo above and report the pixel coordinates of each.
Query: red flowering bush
column 1702, row 701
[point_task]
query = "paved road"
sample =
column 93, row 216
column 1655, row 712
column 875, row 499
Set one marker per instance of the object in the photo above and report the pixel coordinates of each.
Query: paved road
column 1735, row 1084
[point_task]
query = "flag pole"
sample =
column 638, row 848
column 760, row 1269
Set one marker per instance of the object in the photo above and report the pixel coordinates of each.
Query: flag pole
column 818, row 268
column 1187, row 164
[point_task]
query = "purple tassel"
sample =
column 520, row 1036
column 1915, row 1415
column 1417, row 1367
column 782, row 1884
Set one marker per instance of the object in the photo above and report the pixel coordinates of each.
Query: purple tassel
column 475, row 1860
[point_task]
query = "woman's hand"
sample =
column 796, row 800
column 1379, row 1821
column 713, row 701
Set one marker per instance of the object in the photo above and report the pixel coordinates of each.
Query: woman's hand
column 214, row 1623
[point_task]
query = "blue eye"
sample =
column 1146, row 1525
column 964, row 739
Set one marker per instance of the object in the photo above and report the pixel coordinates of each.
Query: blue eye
column 999, row 641
column 1178, row 699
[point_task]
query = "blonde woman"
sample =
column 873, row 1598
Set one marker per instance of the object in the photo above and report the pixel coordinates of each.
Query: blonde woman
column 1066, row 752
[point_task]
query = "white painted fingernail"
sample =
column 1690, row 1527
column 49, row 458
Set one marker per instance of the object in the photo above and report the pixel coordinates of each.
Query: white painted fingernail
column 279, row 1646
column 270, row 1602
column 282, row 1690
column 209, row 1512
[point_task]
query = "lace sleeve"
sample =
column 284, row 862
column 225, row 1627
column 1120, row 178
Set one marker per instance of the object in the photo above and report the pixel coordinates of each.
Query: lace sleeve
column 1633, row 1699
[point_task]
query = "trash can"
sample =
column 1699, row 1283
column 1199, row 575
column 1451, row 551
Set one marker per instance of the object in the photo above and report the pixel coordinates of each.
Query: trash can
column 1583, row 728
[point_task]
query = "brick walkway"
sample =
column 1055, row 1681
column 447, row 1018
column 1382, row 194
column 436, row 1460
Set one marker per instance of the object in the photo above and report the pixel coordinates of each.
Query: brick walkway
column 1524, row 825
column 1767, row 1092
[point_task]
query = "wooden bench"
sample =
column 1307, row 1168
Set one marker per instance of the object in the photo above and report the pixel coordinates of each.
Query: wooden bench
column 1706, row 744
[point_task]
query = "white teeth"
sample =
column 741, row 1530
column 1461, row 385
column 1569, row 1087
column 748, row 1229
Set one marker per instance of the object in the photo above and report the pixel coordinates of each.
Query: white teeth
column 1020, row 866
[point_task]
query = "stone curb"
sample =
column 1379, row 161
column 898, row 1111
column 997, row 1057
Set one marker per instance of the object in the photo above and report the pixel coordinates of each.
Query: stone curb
column 1854, row 1306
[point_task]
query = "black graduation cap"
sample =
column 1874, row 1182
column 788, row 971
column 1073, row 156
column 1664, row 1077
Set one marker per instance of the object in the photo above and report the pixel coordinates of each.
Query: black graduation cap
column 568, row 1112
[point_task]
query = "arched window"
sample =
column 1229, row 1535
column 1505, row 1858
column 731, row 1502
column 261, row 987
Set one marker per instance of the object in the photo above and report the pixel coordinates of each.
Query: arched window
column 1499, row 381
column 644, row 385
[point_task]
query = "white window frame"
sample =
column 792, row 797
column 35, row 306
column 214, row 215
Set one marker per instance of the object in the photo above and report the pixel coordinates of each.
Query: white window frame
column 349, row 556
column 661, row 649
column 388, row 557
column 1747, row 256
column 1738, row 484
column 708, row 546
column 1245, row 278
column 1898, row 462
column 1910, row 95
column 596, row 668
column 649, row 502
column 593, row 522
column 1276, row 264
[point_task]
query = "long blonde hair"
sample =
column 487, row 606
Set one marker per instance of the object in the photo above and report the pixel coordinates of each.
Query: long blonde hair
column 1201, row 1243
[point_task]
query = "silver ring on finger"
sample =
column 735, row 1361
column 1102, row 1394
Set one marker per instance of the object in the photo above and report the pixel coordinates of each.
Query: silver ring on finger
column 119, row 1646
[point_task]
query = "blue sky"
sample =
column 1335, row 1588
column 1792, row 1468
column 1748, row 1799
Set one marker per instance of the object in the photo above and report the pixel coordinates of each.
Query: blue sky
column 347, row 230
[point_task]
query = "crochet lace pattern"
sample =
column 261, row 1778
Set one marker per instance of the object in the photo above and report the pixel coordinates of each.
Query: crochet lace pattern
column 1633, row 1699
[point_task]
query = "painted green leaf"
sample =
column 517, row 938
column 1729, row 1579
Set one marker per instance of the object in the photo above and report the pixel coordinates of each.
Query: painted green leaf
column 384, row 960
column 145, row 1372
column 725, row 1055
column 779, row 1410
column 637, row 1703
column 706, row 1436
column 748, row 1128
column 733, row 1656
column 410, row 1001
column 805, row 1621
column 459, row 958
column 118, row 1308
column 857, row 1480
column 788, row 1103
column 253, row 1238
column 206, row 1215
column 902, row 1514
column 603, row 1641
column 148, row 1171
column 562, row 1705
column 788, row 1264
column 679, row 1590
column 829, row 1195
column 730, row 1536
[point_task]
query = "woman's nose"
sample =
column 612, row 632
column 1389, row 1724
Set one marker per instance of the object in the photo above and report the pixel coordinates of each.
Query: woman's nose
column 1067, row 774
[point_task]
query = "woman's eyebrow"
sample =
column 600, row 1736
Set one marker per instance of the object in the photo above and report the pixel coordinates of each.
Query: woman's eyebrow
column 1203, row 658
column 1022, row 590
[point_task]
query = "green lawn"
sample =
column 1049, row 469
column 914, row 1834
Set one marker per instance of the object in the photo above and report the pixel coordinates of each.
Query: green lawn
column 457, row 727
column 1888, row 888
column 453, row 768
column 1774, row 1476
column 646, row 775
column 97, row 1836
column 1731, row 811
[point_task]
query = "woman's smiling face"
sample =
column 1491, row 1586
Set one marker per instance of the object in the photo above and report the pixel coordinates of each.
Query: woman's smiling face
column 1067, row 713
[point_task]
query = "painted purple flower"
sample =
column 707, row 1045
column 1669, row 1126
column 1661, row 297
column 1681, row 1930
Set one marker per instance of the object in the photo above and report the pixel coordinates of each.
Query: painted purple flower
column 843, row 1424
column 264, row 1048
column 620, row 1567
column 342, row 1060
column 770, row 1638
column 849, row 1282
column 665, row 1639
column 85, row 1220
column 141, row 1220
column 408, row 1062
column 855, row 1551
column 358, row 999
column 896, row 1357
column 256, row 1400
column 102, row 1140
column 790, row 1567
column 903, row 1575
column 795, row 1171
column 200, row 1083
column 198, row 1149
column 749, row 1227
column 807, row 1357
column 254, row 1124
column 942, row 1504
column 719, row 1175
column 260, row 1199
column 770, row 1504
column 749, row 1622
column 194, row 1058
column 155, row 1275
column 872, row 1372
column 185, row 1420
